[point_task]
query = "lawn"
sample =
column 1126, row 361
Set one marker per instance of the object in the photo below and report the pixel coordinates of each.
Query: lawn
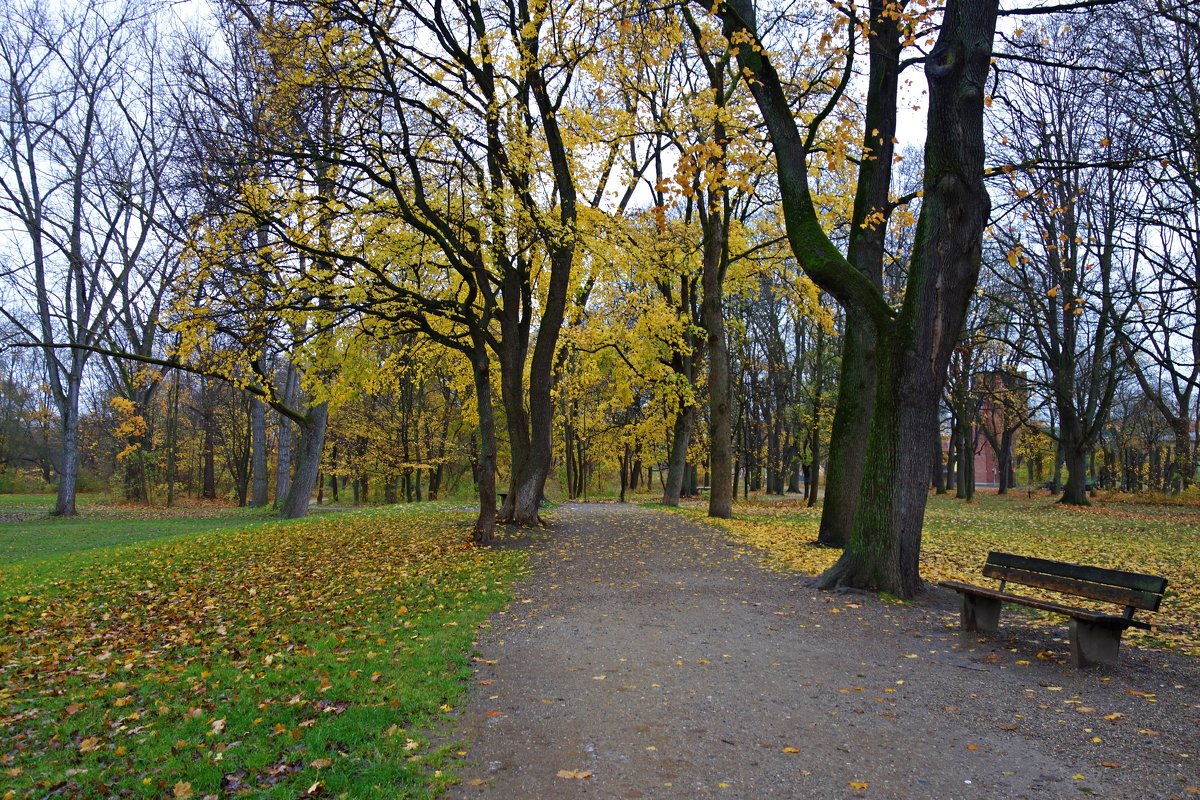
column 1159, row 539
column 31, row 534
column 266, row 660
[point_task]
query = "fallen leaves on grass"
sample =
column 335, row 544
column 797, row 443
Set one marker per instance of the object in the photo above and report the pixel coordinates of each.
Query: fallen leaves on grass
column 177, row 662
column 1157, row 539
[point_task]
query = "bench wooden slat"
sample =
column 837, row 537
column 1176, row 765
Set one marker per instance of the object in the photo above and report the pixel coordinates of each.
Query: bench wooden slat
column 1111, row 577
column 1073, row 586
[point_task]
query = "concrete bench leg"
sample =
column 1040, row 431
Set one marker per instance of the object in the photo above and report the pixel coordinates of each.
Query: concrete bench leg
column 980, row 613
column 1094, row 643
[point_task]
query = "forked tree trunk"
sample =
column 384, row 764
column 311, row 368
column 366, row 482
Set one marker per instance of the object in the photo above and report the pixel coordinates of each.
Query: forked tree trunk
column 856, row 386
column 884, row 551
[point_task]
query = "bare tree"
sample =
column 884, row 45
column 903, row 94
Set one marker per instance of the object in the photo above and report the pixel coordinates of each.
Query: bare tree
column 77, row 186
column 1061, row 232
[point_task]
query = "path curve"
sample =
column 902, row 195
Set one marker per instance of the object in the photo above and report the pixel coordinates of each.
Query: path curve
column 662, row 660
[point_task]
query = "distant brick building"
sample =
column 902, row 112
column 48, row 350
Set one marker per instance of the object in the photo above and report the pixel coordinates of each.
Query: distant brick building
column 1004, row 405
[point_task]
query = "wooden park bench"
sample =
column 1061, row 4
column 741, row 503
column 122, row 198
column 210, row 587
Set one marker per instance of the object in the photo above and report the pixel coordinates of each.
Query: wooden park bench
column 1095, row 635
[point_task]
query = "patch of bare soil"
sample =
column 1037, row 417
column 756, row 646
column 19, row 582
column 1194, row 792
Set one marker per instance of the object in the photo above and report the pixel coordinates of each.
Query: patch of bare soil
column 648, row 656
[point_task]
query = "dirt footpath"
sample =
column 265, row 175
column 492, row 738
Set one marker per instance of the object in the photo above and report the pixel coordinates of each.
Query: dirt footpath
column 648, row 656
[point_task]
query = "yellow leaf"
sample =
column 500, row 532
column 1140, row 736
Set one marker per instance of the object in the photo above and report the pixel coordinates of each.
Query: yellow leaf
column 858, row 786
column 1077, row 777
column 574, row 774
column 182, row 789
column 791, row 749
column 89, row 744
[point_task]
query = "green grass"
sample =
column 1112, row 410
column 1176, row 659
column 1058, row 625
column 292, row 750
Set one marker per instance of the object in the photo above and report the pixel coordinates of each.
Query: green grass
column 38, row 535
column 264, row 661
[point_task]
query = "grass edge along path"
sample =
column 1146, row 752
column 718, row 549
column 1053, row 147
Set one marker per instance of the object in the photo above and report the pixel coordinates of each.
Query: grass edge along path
column 1157, row 539
column 287, row 660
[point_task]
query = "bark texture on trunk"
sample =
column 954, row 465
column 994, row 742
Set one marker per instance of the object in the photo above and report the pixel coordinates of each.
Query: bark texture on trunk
column 258, row 456
column 68, row 470
column 848, row 436
column 1075, row 489
column 720, row 414
column 681, row 435
column 485, row 524
column 285, row 438
column 308, row 462
column 865, row 252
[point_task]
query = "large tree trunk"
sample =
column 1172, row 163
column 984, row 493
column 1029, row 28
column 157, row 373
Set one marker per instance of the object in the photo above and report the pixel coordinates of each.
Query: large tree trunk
column 848, row 437
column 883, row 552
column 1074, row 451
column 485, row 524
column 284, row 440
column 856, row 387
column 884, row 549
column 512, row 393
column 258, row 456
column 681, row 435
column 720, row 415
column 308, row 462
column 68, row 470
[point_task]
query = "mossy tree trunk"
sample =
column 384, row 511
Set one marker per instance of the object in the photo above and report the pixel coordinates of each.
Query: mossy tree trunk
column 913, row 344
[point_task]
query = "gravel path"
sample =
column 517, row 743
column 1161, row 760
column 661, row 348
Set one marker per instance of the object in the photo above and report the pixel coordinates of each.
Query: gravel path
column 661, row 660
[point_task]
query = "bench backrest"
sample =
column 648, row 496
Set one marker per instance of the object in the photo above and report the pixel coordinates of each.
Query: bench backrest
column 1129, row 589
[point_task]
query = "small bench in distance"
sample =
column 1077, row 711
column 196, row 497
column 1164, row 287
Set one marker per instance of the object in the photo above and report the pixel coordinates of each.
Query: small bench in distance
column 1095, row 635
